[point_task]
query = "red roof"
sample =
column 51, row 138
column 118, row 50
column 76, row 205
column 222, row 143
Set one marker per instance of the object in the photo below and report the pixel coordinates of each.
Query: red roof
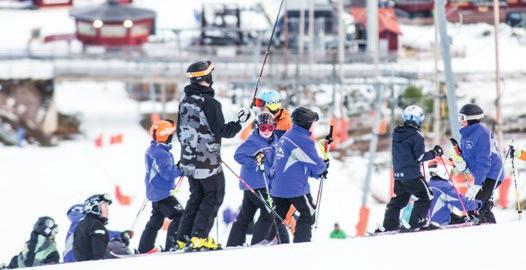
column 387, row 19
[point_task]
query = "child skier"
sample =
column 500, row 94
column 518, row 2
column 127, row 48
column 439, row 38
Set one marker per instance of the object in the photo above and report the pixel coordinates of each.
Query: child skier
column 408, row 153
column 258, row 150
column 161, row 172
column 445, row 197
column 41, row 248
column 270, row 101
column 90, row 240
column 482, row 158
column 75, row 215
column 297, row 160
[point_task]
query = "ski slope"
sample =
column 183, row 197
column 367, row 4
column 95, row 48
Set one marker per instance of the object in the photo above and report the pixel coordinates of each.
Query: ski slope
column 47, row 181
column 482, row 247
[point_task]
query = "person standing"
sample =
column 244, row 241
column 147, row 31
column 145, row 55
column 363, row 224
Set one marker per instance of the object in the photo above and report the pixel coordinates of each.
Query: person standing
column 200, row 127
column 257, row 151
column 480, row 152
column 297, row 160
column 408, row 152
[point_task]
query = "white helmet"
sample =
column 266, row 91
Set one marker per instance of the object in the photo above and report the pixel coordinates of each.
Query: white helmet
column 414, row 114
column 438, row 167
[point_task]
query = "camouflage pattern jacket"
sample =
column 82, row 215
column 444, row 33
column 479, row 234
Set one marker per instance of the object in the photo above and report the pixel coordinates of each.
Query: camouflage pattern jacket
column 200, row 127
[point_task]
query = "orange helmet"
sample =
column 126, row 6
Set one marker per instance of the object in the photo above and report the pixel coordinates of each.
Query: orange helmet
column 162, row 131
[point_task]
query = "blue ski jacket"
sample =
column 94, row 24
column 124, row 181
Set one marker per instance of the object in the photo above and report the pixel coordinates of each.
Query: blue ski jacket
column 161, row 171
column 245, row 156
column 408, row 152
column 479, row 150
column 296, row 160
column 445, row 199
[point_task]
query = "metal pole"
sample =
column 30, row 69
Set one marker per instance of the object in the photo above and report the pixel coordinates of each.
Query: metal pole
column 436, row 100
column 374, row 143
column 301, row 39
column 498, row 111
column 440, row 12
column 372, row 29
column 341, row 39
column 311, row 34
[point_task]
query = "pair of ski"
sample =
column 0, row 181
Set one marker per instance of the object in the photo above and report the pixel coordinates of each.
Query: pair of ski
column 263, row 243
column 443, row 227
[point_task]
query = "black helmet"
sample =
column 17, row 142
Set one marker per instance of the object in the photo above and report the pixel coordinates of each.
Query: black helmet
column 45, row 226
column 200, row 71
column 470, row 112
column 92, row 204
column 265, row 118
column 304, row 117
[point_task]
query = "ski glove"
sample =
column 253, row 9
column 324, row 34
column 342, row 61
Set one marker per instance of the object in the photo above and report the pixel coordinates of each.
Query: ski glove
column 243, row 115
column 126, row 236
column 437, row 150
column 460, row 164
column 323, row 175
column 260, row 158
column 472, row 192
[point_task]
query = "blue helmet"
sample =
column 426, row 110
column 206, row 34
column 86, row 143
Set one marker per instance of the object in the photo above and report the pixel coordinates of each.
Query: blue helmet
column 414, row 115
column 271, row 99
column 76, row 212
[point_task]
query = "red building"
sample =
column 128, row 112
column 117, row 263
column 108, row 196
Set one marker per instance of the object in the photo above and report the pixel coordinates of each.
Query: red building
column 387, row 24
column 52, row 3
column 113, row 24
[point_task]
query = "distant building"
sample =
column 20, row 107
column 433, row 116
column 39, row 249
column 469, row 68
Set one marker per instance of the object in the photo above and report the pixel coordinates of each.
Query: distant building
column 388, row 27
column 113, row 24
column 52, row 3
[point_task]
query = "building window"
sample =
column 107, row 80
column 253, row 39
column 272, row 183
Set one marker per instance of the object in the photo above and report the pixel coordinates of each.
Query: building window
column 86, row 29
column 141, row 29
column 113, row 31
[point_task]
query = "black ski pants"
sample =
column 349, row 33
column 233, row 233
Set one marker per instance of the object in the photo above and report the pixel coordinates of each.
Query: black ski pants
column 249, row 206
column 166, row 208
column 306, row 208
column 206, row 196
column 485, row 195
column 403, row 191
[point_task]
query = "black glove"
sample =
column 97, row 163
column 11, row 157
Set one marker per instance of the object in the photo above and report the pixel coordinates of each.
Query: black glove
column 126, row 236
column 260, row 158
column 438, row 151
column 327, row 162
column 243, row 115
column 323, row 175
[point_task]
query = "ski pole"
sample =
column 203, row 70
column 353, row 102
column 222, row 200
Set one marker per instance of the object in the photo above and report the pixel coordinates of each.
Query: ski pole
column 136, row 219
column 512, row 154
column 328, row 140
column 267, row 53
column 262, row 169
column 270, row 210
column 455, row 188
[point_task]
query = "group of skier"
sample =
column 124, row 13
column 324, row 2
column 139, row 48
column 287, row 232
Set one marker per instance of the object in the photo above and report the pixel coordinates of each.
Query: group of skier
column 277, row 157
column 478, row 154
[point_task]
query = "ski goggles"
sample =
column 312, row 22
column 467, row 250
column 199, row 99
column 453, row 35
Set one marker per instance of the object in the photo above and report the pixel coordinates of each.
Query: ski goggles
column 259, row 102
column 266, row 127
column 463, row 117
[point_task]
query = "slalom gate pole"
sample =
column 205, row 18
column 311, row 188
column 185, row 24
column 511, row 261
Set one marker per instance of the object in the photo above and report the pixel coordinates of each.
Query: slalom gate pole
column 512, row 154
column 269, row 209
column 456, row 191
column 267, row 53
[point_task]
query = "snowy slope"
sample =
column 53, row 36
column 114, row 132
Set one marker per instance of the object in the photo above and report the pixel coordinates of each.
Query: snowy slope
column 446, row 249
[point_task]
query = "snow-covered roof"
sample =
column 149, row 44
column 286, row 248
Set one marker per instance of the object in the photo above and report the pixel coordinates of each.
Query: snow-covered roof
column 111, row 12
